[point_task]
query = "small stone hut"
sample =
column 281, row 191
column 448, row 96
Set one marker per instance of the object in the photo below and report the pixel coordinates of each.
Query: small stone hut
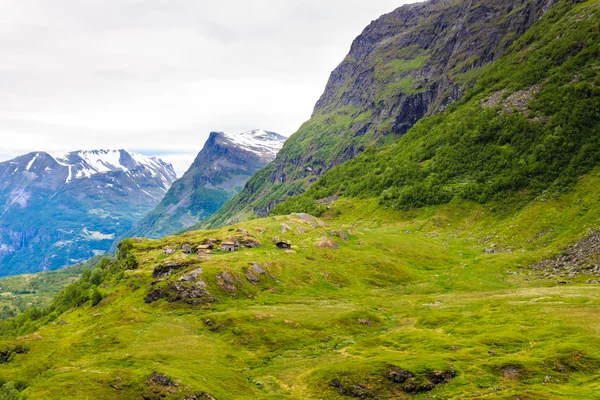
column 283, row 245
column 169, row 250
column 229, row 246
column 187, row 249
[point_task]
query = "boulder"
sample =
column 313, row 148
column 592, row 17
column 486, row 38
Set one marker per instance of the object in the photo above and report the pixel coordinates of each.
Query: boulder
column 326, row 243
column 157, row 379
column 399, row 375
column 249, row 243
column 252, row 278
column 179, row 291
column 341, row 234
column 285, row 227
column 414, row 385
column 153, row 296
column 256, row 269
column 167, row 269
column 192, row 276
column 438, row 377
column 225, row 281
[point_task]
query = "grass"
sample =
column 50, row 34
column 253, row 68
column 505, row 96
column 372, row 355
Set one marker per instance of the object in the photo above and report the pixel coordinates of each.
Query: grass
column 23, row 292
column 411, row 289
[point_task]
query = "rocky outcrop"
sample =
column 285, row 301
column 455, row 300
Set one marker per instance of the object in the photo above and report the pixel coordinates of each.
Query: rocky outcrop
column 326, row 243
column 7, row 354
column 167, row 269
column 582, row 258
column 397, row 378
column 160, row 386
column 225, row 281
column 254, row 272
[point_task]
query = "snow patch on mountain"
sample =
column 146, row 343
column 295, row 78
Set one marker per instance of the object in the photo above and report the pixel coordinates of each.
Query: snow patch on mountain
column 84, row 164
column 32, row 161
column 95, row 235
column 258, row 141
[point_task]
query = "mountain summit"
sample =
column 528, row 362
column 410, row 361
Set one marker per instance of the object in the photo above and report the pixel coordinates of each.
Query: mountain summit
column 220, row 171
column 59, row 209
column 85, row 164
column 263, row 143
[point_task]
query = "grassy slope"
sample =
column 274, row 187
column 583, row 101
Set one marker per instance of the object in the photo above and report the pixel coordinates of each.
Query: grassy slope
column 403, row 290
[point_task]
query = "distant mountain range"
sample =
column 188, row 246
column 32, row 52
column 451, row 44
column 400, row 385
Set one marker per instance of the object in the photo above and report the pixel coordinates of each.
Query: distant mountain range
column 219, row 172
column 61, row 209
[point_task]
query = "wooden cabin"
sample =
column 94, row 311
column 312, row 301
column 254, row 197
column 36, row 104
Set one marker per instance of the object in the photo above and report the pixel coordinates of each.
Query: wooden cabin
column 204, row 249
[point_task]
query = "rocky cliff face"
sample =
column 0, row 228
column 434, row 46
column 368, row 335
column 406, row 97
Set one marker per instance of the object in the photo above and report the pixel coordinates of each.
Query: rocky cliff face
column 421, row 49
column 60, row 209
column 410, row 63
column 220, row 171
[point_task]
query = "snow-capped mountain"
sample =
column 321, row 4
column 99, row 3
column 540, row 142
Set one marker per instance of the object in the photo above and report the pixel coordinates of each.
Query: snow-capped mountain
column 85, row 164
column 220, row 170
column 263, row 143
column 59, row 209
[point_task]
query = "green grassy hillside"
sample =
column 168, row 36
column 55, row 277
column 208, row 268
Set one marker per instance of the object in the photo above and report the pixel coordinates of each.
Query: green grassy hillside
column 442, row 292
column 460, row 263
column 530, row 124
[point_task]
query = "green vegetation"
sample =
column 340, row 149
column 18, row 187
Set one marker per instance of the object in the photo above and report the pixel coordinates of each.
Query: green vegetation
column 414, row 63
column 66, row 294
column 418, row 282
column 23, row 292
column 410, row 290
column 484, row 153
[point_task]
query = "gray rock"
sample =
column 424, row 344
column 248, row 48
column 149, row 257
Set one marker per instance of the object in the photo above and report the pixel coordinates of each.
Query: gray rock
column 192, row 276
column 256, row 269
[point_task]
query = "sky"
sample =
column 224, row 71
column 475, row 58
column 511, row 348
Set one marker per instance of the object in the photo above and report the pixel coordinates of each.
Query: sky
column 157, row 76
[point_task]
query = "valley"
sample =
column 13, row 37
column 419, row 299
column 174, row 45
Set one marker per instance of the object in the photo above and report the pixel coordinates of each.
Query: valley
column 431, row 232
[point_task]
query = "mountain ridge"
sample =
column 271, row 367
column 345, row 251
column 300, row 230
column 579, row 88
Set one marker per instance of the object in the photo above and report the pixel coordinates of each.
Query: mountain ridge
column 405, row 65
column 61, row 209
column 219, row 171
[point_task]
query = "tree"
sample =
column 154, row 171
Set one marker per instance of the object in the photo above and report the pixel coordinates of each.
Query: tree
column 96, row 297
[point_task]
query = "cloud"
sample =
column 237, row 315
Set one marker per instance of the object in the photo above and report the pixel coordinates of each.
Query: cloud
column 159, row 75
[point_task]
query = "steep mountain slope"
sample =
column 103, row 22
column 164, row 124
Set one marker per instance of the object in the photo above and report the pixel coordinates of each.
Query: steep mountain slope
column 219, row 172
column 531, row 124
column 60, row 209
column 407, row 64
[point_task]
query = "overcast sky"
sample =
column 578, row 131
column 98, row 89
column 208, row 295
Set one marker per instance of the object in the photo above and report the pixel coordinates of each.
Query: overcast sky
column 156, row 76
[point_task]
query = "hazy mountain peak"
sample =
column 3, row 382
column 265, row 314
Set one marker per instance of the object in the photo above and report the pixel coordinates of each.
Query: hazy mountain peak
column 219, row 171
